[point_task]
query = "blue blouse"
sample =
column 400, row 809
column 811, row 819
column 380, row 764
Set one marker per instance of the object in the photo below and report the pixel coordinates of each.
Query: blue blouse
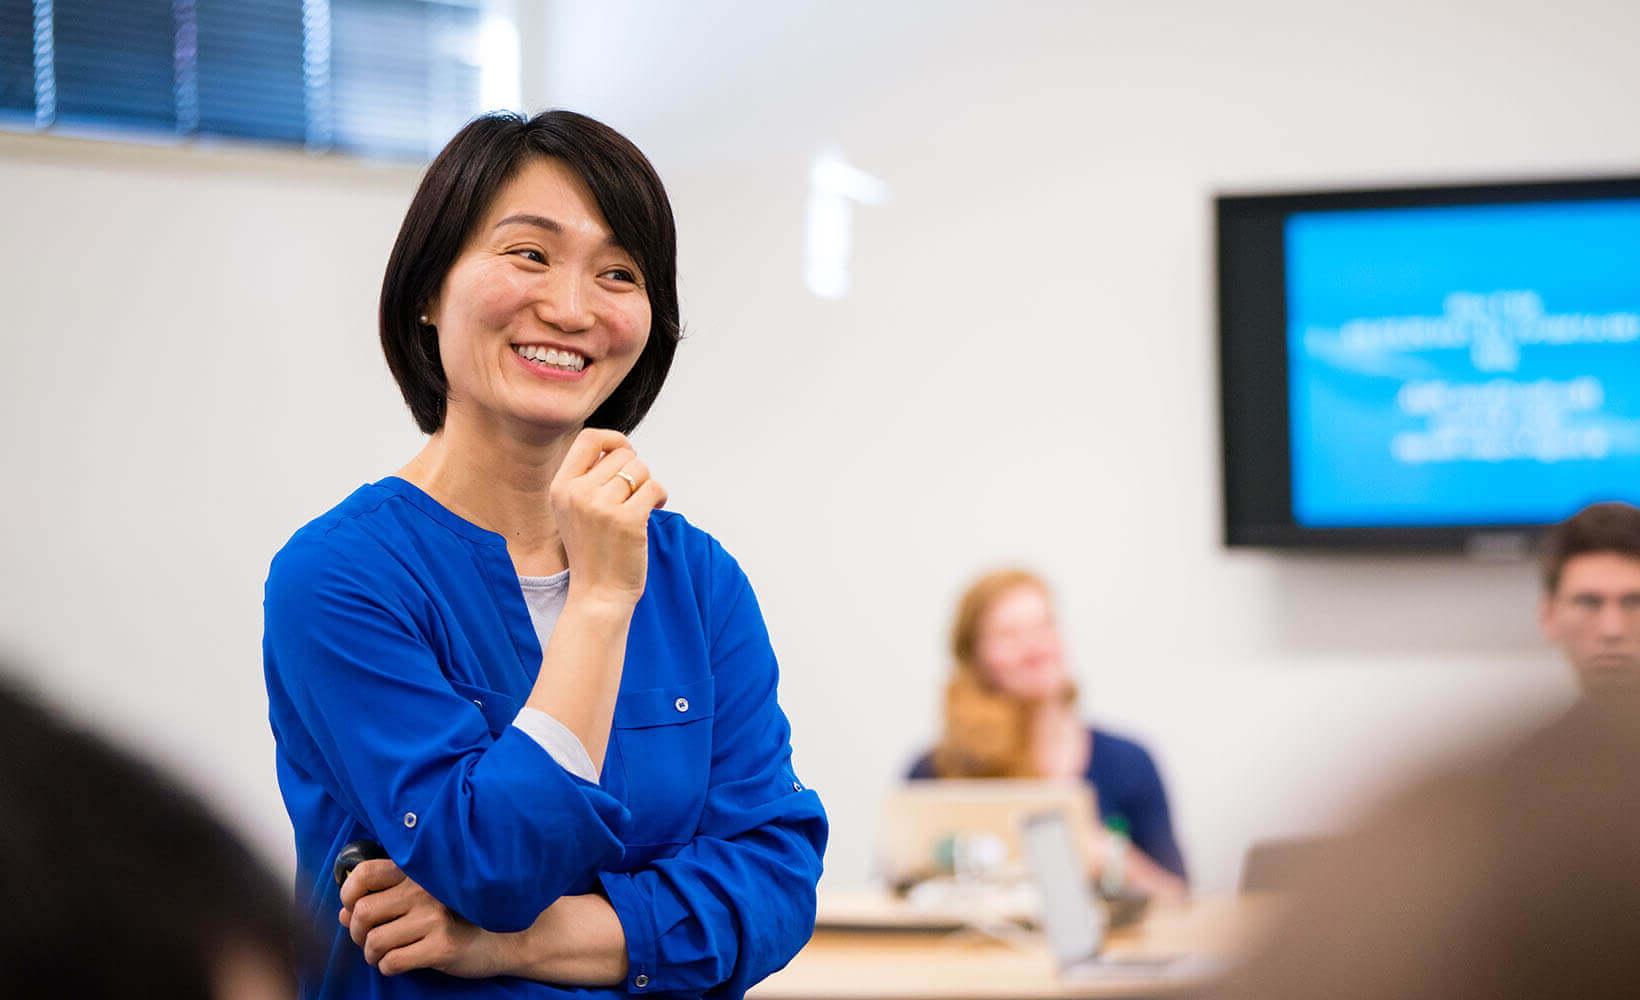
column 1127, row 785
column 398, row 649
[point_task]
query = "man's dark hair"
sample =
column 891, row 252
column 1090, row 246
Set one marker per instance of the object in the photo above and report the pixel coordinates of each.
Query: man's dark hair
column 452, row 200
column 116, row 881
column 1601, row 527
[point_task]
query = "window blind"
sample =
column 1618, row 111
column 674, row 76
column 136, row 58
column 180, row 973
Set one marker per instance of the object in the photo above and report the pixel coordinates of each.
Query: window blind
column 401, row 72
column 388, row 78
column 250, row 58
column 17, row 60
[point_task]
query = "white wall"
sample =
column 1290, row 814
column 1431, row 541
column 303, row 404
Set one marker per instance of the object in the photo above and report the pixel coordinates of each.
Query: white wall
column 1024, row 372
column 192, row 374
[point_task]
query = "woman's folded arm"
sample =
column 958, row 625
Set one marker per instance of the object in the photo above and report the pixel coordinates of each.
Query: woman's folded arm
column 489, row 824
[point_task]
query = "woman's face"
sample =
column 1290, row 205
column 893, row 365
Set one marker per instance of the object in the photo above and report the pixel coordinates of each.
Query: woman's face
column 542, row 315
column 1018, row 645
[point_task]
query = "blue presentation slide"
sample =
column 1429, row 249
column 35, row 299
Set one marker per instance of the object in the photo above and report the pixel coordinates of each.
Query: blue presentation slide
column 1463, row 365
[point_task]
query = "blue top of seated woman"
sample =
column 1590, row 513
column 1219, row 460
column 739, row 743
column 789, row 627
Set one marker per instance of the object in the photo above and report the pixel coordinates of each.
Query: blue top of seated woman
column 398, row 649
column 1127, row 785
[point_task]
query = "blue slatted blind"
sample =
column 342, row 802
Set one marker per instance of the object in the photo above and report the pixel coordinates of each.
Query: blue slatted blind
column 400, row 72
column 379, row 77
column 251, row 83
column 114, row 62
column 17, row 59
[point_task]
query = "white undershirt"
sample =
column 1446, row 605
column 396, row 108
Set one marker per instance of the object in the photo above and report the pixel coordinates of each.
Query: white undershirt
column 545, row 597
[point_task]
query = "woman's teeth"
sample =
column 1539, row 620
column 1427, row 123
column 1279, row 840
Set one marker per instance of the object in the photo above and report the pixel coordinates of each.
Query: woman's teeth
column 567, row 360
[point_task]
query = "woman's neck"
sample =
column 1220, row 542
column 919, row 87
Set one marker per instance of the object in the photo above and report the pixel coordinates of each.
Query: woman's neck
column 498, row 481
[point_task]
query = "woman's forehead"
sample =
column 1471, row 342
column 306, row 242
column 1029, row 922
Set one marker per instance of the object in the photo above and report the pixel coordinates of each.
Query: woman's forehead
column 546, row 188
column 1022, row 602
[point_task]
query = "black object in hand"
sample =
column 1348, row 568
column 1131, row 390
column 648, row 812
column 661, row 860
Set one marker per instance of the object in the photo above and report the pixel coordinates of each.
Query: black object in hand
column 355, row 852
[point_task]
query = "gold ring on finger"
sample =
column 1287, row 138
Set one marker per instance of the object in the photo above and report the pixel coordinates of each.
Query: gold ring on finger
column 631, row 484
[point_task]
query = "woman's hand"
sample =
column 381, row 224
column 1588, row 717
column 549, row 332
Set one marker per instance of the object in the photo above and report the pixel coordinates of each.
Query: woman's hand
column 1150, row 878
column 601, row 499
column 1139, row 871
column 401, row 927
column 577, row 941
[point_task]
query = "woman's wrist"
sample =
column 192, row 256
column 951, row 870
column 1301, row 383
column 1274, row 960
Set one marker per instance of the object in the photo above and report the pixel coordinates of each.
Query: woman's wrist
column 508, row 952
column 577, row 941
column 599, row 605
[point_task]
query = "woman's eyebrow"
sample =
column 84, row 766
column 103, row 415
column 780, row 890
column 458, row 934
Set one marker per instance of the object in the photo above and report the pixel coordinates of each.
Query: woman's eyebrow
column 538, row 221
column 551, row 226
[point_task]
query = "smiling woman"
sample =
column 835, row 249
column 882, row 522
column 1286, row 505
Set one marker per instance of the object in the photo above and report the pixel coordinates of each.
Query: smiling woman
column 533, row 297
column 1010, row 712
column 474, row 211
column 549, row 702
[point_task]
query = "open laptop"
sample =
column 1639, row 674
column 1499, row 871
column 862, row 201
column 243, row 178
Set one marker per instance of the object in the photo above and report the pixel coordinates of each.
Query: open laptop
column 1073, row 921
column 921, row 819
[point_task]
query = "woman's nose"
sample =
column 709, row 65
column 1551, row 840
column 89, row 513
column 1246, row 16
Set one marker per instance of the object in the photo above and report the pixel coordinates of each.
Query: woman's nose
column 566, row 305
column 1042, row 655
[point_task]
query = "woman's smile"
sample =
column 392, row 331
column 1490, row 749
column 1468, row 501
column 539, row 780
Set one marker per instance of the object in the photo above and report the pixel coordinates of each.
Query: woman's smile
column 558, row 364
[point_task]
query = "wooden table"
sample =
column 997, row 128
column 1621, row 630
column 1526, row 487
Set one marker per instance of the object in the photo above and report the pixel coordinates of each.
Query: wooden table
column 963, row 965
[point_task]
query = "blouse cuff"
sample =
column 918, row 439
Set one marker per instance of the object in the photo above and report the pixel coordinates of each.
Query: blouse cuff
column 560, row 744
column 637, row 923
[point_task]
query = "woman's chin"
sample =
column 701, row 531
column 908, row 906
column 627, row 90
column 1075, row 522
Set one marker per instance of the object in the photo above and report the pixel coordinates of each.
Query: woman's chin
column 549, row 417
column 556, row 427
column 1034, row 692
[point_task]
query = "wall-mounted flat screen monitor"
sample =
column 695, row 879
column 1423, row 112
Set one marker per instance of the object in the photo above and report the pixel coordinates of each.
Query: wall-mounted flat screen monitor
column 1434, row 368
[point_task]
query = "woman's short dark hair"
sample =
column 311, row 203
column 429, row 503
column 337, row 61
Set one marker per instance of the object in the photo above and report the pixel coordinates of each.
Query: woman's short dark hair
column 452, row 200
column 1601, row 527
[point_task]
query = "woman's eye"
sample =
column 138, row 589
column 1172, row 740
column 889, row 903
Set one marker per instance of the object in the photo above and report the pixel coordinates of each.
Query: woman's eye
column 621, row 274
column 531, row 254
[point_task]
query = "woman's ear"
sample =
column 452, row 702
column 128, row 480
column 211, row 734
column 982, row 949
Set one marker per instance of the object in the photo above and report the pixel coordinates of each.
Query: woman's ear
column 427, row 315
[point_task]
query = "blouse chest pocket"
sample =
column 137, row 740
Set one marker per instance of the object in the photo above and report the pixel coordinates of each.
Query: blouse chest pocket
column 499, row 710
column 665, row 740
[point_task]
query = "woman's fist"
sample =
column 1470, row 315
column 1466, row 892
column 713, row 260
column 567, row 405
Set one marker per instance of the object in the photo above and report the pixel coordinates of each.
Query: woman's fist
column 601, row 499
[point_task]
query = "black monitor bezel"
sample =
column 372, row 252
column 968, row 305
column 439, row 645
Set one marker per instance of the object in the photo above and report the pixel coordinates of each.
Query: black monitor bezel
column 1255, row 444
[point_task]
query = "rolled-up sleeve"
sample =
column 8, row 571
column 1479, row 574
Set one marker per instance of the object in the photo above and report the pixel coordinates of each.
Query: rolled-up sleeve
column 488, row 824
column 738, row 901
column 559, row 741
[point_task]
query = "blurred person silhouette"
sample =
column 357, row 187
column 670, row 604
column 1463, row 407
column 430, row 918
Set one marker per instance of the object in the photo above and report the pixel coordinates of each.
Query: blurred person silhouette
column 118, row 882
column 1590, row 609
column 1515, row 875
column 1011, row 712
